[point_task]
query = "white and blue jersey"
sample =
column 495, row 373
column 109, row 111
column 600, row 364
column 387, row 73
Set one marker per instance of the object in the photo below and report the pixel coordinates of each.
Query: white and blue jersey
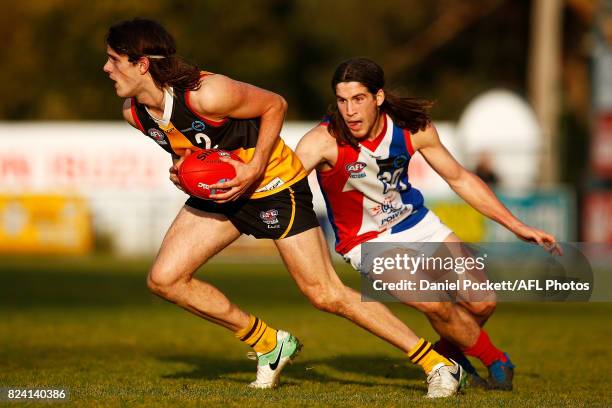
column 367, row 191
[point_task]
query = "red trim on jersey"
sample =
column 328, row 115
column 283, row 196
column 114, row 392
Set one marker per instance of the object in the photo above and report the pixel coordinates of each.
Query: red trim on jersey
column 206, row 120
column 135, row 116
column 346, row 206
column 408, row 139
column 358, row 239
column 372, row 145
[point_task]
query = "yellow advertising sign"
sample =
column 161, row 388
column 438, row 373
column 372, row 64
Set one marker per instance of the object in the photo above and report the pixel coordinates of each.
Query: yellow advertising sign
column 44, row 224
column 467, row 223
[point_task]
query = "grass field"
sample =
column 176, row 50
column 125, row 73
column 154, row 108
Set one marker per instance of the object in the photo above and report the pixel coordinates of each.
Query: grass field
column 90, row 325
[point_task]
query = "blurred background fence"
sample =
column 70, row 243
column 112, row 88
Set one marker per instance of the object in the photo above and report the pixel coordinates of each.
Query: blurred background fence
column 522, row 91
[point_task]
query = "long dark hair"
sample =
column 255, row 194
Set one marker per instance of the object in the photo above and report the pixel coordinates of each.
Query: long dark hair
column 407, row 113
column 142, row 37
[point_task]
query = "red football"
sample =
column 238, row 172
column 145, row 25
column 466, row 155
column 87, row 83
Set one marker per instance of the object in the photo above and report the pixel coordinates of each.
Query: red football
column 203, row 168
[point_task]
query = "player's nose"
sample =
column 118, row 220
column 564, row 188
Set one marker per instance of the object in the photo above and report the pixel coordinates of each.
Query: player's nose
column 349, row 109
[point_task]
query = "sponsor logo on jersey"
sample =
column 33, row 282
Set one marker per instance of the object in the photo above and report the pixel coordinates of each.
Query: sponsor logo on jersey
column 270, row 217
column 355, row 169
column 386, row 208
column 158, row 136
column 394, row 216
column 391, row 210
column 400, row 161
column 196, row 125
column 276, row 182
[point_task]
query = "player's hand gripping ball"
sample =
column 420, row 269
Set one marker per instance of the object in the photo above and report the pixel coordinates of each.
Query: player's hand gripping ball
column 204, row 168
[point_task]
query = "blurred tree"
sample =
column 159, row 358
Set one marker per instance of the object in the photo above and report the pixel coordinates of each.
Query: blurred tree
column 444, row 50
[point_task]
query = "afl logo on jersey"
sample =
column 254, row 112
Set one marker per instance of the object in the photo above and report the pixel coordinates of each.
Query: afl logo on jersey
column 158, row 136
column 355, row 169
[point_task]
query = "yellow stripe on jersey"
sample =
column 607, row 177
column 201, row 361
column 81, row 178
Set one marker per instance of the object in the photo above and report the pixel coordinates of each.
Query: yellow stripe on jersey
column 178, row 141
column 284, row 169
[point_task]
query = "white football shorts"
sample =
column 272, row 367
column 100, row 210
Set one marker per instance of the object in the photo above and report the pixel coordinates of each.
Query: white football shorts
column 429, row 229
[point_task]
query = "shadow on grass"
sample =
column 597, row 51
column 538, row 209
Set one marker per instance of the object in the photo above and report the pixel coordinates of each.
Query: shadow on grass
column 342, row 369
column 30, row 288
column 25, row 289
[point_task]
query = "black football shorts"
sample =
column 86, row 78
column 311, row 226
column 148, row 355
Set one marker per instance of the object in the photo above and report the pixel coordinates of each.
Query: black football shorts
column 276, row 216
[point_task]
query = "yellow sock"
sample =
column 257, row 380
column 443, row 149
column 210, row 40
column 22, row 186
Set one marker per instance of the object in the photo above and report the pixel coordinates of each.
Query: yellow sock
column 424, row 355
column 258, row 335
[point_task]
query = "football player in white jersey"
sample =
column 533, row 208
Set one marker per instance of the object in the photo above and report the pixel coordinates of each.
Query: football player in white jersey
column 361, row 153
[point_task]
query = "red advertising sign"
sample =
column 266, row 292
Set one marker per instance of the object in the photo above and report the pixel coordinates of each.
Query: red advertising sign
column 597, row 217
column 601, row 146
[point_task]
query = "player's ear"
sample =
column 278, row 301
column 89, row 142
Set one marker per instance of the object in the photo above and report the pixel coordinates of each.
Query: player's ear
column 143, row 65
column 380, row 97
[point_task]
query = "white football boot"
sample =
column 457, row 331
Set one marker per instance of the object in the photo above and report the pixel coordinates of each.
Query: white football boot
column 270, row 365
column 445, row 381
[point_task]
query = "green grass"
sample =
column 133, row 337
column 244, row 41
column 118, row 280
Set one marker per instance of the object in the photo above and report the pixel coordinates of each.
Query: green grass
column 90, row 325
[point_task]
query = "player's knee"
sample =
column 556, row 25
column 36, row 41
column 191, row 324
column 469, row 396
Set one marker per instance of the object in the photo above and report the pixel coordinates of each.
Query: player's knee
column 434, row 310
column 482, row 309
column 162, row 283
column 327, row 300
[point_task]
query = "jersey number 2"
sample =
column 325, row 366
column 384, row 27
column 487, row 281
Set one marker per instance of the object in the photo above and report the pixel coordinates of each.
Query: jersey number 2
column 199, row 137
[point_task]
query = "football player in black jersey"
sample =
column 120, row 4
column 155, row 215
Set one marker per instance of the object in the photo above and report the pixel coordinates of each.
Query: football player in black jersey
column 183, row 109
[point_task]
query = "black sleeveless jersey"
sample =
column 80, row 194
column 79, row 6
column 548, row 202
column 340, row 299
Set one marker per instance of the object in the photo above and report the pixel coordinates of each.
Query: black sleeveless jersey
column 189, row 130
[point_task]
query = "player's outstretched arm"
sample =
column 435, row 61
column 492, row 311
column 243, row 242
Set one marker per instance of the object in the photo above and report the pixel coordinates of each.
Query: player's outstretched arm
column 220, row 97
column 474, row 191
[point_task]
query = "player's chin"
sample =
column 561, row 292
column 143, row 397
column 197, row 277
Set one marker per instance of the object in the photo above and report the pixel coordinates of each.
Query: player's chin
column 359, row 134
column 121, row 92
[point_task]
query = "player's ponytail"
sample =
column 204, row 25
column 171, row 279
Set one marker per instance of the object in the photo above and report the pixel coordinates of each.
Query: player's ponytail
column 407, row 113
column 174, row 71
column 141, row 37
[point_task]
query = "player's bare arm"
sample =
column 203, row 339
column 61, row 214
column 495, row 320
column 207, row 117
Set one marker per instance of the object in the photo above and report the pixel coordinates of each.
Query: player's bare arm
column 220, row 97
column 474, row 191
column 317, row 150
